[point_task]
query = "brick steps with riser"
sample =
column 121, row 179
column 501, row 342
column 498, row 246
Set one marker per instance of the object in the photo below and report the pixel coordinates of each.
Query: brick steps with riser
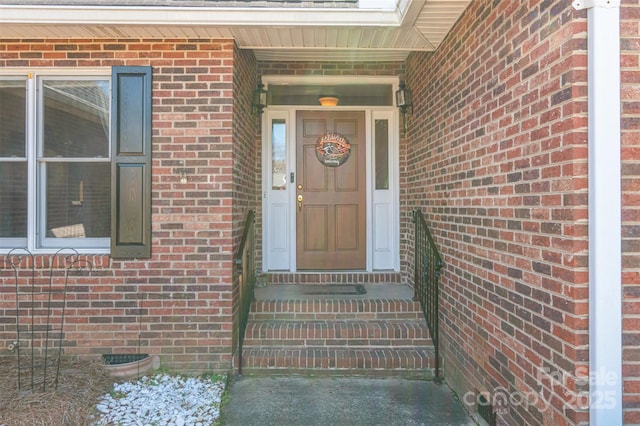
column 375, row 333
column 338, row 336
column 336, row 309
column 330, row 278
column 329, row 361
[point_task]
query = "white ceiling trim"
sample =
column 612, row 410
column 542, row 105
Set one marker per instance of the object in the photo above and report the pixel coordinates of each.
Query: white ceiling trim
column 258, row 17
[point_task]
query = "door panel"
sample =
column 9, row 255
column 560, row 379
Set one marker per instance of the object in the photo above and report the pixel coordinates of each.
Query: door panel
column 346, row 227
column 347, row 179
column 331, row 220
column 316, row 218
column 314, row 175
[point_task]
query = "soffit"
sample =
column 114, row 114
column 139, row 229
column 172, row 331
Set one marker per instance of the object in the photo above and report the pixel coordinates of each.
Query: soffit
column 301, row 33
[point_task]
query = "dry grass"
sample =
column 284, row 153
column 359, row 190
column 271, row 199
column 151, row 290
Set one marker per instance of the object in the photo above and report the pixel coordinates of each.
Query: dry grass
column 80, row 384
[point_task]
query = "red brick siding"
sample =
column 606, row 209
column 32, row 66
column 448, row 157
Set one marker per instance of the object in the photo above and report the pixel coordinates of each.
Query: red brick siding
column 496, row 158
column 184, row 291
column 372, row 68
column 630, row 66
column 245, row 153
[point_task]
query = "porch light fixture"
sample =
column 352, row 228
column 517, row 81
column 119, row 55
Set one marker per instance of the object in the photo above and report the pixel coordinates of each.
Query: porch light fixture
column 259, row 101
column 326, row 101
column 404, row 104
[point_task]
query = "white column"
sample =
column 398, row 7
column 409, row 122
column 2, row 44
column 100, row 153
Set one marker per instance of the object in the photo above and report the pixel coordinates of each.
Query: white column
column 605, row 249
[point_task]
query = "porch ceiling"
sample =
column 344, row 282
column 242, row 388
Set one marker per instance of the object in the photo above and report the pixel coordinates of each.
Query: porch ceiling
column 372, row 31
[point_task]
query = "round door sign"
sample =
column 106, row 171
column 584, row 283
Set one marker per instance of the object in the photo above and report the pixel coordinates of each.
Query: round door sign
column 332, row 149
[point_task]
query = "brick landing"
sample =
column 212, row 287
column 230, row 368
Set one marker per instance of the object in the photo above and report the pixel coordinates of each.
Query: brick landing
column 332, row 278
column 381, row 333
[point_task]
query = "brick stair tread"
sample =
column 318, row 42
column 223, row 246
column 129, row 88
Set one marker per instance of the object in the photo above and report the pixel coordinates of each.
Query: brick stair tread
column 337, row 360
column 288, row 309
column 376, row 333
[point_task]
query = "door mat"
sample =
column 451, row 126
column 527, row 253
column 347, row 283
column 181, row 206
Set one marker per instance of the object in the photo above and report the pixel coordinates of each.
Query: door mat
column 335, row 290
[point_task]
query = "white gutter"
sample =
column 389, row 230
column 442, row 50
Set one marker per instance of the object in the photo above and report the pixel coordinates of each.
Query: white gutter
column 605, row 231
column 205, row 16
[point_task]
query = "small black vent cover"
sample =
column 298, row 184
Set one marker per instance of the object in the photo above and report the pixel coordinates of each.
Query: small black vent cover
column 115, row 359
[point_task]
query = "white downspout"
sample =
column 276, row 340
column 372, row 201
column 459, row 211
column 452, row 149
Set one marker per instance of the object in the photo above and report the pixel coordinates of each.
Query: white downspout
column 605, row 248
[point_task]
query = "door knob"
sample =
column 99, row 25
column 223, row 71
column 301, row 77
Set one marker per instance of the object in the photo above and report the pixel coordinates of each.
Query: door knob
column 299, row 202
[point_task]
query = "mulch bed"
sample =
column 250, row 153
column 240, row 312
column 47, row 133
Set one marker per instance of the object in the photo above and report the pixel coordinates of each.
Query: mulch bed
column 80, row 384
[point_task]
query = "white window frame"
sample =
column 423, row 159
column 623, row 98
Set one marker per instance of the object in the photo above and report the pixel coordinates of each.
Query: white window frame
column 36, row 241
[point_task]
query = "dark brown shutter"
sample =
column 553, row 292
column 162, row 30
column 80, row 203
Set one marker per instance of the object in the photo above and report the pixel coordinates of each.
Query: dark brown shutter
column 131, row 162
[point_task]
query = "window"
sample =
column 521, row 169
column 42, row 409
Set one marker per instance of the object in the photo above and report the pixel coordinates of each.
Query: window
column 73, row 164
column 382, row 153
column 13, row 162
column 56, row 161
column 58, row 153
column 278, row 154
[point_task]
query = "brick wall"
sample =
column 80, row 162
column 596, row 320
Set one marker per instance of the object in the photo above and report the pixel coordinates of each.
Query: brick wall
column 372, row 68
column 245, row 155
column 181, row 298
column 496, row 158
column 630, row 65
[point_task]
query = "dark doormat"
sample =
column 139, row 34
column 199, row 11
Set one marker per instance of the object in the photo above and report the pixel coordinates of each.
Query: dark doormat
column 337, row 290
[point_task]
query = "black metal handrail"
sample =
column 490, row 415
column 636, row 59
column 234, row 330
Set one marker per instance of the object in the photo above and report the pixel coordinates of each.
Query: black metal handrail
column 427, row 265
column 245, row 267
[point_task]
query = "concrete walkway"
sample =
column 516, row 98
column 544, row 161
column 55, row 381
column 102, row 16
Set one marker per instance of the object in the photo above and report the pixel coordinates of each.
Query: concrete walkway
column 303, row 401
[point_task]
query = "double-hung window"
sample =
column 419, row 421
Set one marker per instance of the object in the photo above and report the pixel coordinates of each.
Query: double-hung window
column 55, row 162
column 57, row 152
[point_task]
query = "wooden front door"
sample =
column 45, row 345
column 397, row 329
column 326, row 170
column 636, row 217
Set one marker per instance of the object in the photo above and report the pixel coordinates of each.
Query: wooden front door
column 331, row 217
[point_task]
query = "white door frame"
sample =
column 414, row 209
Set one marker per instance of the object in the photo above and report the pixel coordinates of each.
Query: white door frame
column 279, row 207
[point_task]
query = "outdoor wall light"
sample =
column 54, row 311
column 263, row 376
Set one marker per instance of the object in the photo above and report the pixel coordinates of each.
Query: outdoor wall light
column 259, row 101
column 404, row 104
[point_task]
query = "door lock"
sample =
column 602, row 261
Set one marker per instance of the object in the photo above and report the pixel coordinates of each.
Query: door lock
column 300, row 202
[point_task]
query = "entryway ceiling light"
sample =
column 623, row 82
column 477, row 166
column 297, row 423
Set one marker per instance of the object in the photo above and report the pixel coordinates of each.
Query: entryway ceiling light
column 326, row 101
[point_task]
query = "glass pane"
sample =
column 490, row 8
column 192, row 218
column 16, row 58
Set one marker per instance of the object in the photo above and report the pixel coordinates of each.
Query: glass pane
column 279, row 155
column 12, row 118
column 78, row 200
column 76, row 118
column 13, row 200
column 348, row 94
column 382, row 154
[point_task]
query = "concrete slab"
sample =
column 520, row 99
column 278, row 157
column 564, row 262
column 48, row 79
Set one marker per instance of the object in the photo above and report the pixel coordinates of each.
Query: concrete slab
column 304, row 401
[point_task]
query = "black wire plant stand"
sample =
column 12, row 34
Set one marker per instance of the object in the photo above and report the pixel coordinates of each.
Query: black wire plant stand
column 41, row 300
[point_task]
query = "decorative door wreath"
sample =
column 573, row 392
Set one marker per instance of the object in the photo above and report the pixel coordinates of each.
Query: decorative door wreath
column 332, row 149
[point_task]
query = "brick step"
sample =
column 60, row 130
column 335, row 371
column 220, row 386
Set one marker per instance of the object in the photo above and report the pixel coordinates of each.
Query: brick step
column 335, row 309
column 327, row 361
column 354, row 333
column 329, row 278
